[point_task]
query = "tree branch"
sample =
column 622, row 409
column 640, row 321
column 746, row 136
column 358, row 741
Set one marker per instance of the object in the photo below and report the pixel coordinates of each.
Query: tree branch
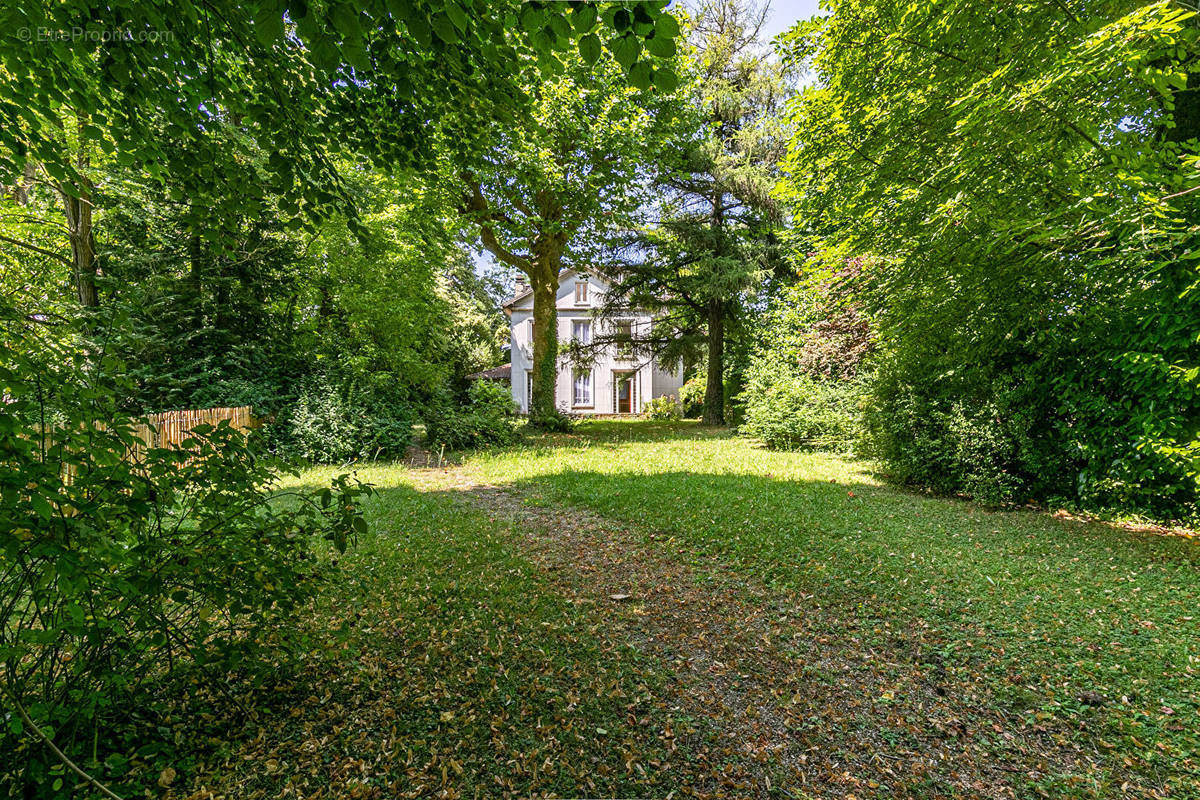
column 475, row 203
column 37, row 249
column 37, row 732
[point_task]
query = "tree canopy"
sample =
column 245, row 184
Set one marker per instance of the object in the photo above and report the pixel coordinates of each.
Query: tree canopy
column 1022, row 178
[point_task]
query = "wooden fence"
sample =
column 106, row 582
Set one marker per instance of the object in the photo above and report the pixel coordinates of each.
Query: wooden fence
column 170, row 428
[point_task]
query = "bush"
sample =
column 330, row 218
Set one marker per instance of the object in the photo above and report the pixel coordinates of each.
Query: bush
column 947, row 446
column 123, row 565
column 691, row 396
column 1032, row 426
column 331, row 425
column 665, row 407
column 556, row 422
column 789, row 412
column 488, row 418
column 807, row 377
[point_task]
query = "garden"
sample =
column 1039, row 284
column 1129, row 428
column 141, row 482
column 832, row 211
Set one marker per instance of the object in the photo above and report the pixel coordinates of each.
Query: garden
column 917, row 520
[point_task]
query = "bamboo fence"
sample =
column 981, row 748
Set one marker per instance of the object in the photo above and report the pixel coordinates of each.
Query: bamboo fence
column 170, row 428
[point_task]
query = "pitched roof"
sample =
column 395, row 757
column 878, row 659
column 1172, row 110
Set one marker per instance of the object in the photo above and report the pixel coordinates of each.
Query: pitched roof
column 501, row 373
column 528, row 290
column 512, row 301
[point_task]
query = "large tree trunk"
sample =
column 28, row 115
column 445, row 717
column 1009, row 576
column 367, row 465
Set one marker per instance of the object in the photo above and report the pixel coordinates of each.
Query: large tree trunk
column 85, row 264
column 714, row 390
column 544, row 281
column 77, row 207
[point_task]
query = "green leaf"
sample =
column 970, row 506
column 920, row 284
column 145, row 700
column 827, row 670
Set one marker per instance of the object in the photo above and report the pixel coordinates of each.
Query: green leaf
column 532, row 19
column 665, row 79
column 663, row 48
column 345, row 20
column 356, row 56
column 559, row 25
column 457, row 16
column 666, row 27
column 589, row 48
column 419, row 29
column 42, row 506
column 444, row 28
column 268, row 24
column 625, row 50
column 584, row 17
column 640, row 74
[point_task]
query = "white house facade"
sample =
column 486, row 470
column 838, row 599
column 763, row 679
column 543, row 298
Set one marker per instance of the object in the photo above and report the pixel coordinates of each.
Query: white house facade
column 617, row 381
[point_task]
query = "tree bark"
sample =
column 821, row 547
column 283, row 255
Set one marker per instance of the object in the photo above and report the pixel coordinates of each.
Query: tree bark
column 544, row 372
column 77, row 207
column 542, row 265
column 23, row 187
column 714, row 390
column 85, row 264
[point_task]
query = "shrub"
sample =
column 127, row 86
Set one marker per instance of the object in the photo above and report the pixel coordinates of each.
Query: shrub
column 123, row 564
column 691, row 395
column 487, row 418
column 948, row 446
column 665, row 407
column 997, row 433
column 557, row 422
column 789, row 412
column 332, row 424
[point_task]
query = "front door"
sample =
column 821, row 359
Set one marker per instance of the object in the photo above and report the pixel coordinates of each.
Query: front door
column 623, row 389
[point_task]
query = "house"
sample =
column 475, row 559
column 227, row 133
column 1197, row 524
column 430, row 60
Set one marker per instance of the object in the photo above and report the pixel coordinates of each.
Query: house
column 617, row 380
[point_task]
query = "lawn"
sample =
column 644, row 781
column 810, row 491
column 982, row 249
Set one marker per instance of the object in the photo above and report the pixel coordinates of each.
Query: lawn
column 652, row 610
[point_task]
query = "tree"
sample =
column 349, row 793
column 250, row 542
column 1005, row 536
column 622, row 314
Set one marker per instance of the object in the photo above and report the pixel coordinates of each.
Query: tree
column 1021, row 182
column 560, row 176
column 303, row 80
column 713, row 236
column 158, row 85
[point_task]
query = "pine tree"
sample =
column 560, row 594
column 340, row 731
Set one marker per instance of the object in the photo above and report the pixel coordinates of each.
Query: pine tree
column 713, row 233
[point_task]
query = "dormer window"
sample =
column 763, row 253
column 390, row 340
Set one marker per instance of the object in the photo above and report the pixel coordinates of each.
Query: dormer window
column 581, row 290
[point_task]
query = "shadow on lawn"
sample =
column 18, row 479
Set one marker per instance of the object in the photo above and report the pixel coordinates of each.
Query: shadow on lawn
column 830, row 638
column 1061, row 650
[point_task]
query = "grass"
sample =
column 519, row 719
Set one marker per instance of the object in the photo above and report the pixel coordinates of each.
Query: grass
column 1091, row 629
column 1063, row 655
column 447, row 668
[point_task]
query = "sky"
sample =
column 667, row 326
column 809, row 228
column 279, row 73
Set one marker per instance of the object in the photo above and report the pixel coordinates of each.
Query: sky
column 785, row 13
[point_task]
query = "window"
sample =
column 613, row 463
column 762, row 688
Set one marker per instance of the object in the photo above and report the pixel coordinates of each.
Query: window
column 583, row 388
column 624, row 339
column 581, row 291
column 528, row 390
column 581, row 331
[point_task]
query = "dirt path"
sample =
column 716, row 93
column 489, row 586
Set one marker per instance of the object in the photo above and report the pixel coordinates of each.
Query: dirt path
column 788, row 695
